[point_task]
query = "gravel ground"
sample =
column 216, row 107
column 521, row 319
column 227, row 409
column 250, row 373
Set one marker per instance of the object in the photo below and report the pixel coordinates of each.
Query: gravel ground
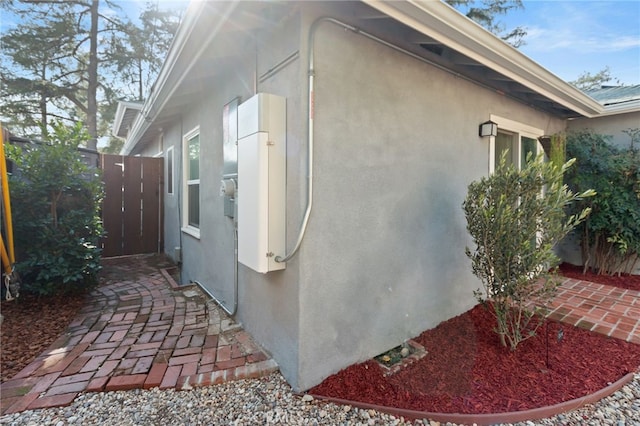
column 269, row 401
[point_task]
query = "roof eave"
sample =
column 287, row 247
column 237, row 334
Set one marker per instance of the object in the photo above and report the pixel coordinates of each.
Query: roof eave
column 123, row 106
column 622, row 108
column 433, row 18
column 176, row 65
column 443, row 23
column 141, row 124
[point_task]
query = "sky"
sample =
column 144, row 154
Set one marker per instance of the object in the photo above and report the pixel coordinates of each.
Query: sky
column 572, row 37
column 568, row 37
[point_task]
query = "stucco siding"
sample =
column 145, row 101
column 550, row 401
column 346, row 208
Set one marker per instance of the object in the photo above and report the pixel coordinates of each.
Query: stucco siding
column 396, row 147
column 267, row 304
column 612, row 125
column 171, row 139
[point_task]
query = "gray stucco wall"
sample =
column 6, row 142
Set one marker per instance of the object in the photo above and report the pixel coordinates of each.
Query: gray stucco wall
column 612, row 125
column 268, row 304
column 171, row 140
column 152, row 149
column 396, row 147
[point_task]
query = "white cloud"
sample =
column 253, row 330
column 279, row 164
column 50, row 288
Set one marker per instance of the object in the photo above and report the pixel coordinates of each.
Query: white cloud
column 545, row 40
column 569, row 37
column 582, row 26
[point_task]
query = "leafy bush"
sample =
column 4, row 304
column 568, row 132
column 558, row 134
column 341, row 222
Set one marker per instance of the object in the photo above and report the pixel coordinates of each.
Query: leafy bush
column 610, row 237
column 55, row 201
column 515, row 218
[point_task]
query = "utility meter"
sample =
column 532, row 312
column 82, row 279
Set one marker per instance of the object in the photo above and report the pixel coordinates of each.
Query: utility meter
column 228, row 188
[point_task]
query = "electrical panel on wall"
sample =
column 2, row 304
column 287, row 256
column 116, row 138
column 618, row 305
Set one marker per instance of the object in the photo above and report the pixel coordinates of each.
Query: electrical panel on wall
column 262, row 182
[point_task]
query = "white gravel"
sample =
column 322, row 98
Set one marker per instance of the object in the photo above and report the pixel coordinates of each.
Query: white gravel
column 270, row 401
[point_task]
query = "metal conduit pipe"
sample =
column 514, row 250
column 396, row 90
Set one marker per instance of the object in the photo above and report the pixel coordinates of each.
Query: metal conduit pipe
column 279, row 67
column 310, row 114
column 311, row 111
column 230, row 312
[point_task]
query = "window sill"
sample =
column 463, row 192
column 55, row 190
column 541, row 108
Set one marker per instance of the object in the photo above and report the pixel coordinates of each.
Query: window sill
column 190, row 230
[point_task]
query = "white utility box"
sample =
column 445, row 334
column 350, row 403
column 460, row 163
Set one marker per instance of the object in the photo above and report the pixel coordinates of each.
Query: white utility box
column 262, row 151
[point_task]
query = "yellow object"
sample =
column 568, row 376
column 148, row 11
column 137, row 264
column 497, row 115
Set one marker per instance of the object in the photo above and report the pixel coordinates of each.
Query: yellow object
column 6, row 264
column 6, row 251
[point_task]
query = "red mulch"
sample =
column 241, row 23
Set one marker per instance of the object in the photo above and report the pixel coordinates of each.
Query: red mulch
column 31, row 325
column 630, row 282
column 467, row 371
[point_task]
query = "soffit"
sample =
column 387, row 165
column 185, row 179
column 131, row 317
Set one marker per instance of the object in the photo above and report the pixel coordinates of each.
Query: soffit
column 126, row 114
column 440, row 34
column 400, row 23
column 201, row 58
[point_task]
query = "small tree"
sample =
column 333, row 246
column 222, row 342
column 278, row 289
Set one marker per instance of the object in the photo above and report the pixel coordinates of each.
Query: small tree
column 587, row 81
column 56, row 200
column 515, row 218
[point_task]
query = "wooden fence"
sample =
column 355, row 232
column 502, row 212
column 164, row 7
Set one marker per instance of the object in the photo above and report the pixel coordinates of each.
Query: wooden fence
column 132, row 211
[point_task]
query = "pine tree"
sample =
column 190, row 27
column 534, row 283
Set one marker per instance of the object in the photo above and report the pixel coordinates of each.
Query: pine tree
column 486, row 13
column 65, row 60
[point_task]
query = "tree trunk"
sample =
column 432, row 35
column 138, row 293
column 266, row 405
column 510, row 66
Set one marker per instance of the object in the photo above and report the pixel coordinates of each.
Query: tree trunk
column 43, row 103
column 140, row 86
column 92, row 104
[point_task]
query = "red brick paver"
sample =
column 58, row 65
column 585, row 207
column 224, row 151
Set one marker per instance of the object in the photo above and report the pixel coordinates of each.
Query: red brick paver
column 140, row 330
column 600, row 308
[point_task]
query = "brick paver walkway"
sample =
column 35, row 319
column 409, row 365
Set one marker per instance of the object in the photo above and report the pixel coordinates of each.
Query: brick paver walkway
column 139, row 330
column 607, row 310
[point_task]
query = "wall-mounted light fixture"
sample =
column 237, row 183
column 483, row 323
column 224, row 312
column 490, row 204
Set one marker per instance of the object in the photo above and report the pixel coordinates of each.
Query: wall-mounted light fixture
column 545, row 141
column 488, row 128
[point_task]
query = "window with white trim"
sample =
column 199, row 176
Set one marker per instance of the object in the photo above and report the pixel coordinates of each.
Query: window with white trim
column 517, row 148
column 518, row 139
column 191, row 179
column 169, row 163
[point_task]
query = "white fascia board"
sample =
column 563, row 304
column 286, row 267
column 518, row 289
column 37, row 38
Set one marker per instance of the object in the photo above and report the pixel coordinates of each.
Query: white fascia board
column 175, row 63
column 123, row 106
column 443, row 23
column 621, row 108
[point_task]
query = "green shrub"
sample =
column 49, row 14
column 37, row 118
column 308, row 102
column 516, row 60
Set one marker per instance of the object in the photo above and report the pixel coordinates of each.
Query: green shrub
column 558, row 151
column 515, row 218
column 55, row 200
column 610, row 237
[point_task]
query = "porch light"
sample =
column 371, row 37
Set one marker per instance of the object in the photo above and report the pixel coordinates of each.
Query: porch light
column 488, row 128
